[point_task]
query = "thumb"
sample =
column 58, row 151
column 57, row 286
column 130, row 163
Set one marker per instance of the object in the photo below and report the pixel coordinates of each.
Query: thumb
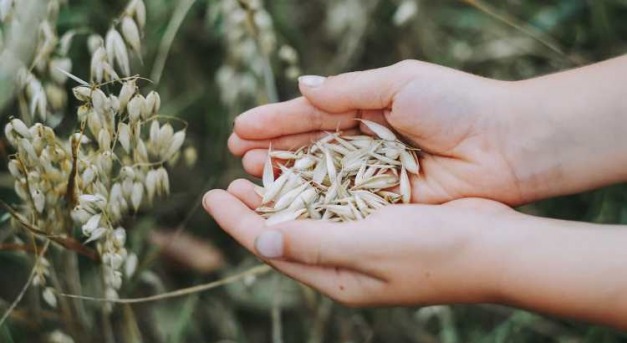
column 311, row 242
column 364, row 90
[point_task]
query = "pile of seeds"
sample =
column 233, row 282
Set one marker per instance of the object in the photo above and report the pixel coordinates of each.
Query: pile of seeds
column 338, row 178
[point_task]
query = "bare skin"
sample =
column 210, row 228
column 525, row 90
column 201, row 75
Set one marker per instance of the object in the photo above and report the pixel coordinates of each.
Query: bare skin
column 512, row 142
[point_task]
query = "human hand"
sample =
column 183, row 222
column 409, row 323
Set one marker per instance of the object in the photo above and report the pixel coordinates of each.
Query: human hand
column 402, row 254
column 458, row 119
column 464, row 251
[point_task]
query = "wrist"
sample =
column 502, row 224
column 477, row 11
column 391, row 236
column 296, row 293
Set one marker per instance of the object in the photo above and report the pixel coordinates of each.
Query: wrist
column 565, row 131
column 562, row 268
column 476, row 267
column 496, row 246
column 530, row 142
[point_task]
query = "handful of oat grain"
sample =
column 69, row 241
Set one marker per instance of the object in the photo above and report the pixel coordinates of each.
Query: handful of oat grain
column 338, row 178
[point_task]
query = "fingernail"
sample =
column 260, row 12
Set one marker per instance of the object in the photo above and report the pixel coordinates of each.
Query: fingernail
column 311, row 80
column 270, row 244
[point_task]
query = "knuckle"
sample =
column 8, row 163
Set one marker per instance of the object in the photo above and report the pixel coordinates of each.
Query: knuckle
column 344, row 78
column 317, row 118
column 314, row 257
column 299, row 249
column 311, row 258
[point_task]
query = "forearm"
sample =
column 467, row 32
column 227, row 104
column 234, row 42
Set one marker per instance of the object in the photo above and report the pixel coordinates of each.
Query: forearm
column 568, row 269
column 570, row 129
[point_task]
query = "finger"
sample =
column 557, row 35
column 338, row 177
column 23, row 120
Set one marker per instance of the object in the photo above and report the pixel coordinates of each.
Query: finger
column 371, row 89
column 245, row 191
column 243, row 224
column 312, row 242
column 239, row 146
column 253, row 161
column 234, row 217
column 303, row 241
column 288, row 118
column 479, row 204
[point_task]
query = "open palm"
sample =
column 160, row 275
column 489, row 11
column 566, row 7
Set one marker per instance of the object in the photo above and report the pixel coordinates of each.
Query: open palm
column 432, row 249
column 456, row 118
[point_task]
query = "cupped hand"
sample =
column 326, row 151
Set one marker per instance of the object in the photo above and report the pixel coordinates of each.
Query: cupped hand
column 461, row 122
column 402, row 254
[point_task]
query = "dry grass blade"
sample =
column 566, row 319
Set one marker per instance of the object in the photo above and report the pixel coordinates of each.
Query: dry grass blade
column 168, row 38
column 74, row 77
column 258, row 270
column 67, row 242
column 26, row 285
column 188, row 251
column 516, row 24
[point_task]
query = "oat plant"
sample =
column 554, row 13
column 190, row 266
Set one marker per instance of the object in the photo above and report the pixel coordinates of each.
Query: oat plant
column 76, row 190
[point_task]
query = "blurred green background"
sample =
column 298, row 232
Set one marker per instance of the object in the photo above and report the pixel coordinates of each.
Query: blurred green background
column 214, row 69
